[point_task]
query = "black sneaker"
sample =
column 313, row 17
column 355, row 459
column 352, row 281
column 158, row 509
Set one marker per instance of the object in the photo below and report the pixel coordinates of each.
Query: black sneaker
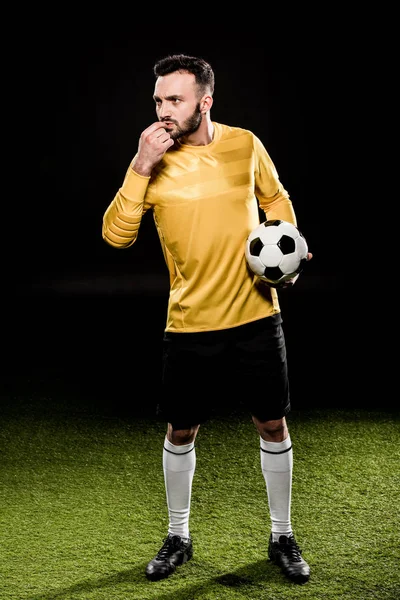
column 287, row 555
column 174, row 552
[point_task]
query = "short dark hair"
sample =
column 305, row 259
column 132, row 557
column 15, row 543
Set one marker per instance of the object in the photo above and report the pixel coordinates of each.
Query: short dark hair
column 204, row 75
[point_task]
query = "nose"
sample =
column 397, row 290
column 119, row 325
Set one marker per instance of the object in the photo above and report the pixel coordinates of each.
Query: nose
column 164, row 111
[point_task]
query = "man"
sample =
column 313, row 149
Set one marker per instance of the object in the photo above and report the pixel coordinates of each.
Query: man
column 204, row 183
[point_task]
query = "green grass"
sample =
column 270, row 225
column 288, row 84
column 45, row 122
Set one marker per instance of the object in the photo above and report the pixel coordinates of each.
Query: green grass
column 83, row 507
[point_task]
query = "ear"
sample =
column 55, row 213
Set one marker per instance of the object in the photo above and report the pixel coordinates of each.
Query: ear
column 206, row 103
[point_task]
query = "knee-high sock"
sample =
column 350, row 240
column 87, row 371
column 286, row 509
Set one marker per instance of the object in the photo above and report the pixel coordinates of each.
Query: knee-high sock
column 277, row 468
column 179, row 464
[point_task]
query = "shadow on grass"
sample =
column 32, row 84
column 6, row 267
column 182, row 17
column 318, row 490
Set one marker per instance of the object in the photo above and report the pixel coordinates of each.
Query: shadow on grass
column 249, row 577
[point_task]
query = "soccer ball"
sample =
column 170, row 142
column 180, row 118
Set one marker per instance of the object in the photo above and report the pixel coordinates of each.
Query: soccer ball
column 276, row 251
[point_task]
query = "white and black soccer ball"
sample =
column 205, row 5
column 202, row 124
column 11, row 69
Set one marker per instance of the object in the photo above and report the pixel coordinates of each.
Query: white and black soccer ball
column 276, row 251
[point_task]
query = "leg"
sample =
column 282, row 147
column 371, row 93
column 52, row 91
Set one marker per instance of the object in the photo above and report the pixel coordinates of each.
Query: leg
column 277, row 465
column 261, row 353
column 179, row 463
column 190, row 360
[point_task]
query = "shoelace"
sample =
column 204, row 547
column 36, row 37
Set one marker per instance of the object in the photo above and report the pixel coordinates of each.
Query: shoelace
column 291, row 550
column 170, row 545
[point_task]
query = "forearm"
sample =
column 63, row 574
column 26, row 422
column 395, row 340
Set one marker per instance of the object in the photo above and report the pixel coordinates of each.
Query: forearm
column 123, row 216
column 279, row 207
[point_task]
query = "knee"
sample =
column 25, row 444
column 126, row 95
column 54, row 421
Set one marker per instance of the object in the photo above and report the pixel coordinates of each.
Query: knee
column 272, row 431
column 180, row 437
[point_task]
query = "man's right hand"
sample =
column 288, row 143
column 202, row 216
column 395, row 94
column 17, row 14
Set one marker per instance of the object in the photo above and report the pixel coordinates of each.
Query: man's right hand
column 153, row 144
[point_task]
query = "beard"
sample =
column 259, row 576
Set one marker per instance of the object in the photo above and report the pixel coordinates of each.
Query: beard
column 190, row 125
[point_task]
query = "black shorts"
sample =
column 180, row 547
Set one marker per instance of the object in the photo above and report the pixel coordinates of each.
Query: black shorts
column 203, row 372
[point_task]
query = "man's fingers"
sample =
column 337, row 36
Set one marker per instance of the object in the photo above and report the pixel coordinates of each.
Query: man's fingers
column 154, row 127
column 161, row 134
column 163, row 137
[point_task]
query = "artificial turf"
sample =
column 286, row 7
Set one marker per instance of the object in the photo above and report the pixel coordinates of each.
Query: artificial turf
column 83, row 506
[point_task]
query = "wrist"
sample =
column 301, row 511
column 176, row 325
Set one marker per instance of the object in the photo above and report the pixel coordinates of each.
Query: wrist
column 141, row 168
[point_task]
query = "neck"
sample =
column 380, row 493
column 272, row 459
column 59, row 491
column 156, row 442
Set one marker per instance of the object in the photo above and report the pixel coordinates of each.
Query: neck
column 203, row 136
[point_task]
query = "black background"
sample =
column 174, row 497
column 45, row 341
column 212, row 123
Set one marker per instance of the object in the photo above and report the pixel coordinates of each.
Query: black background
column 86, row 319
column 94, row 99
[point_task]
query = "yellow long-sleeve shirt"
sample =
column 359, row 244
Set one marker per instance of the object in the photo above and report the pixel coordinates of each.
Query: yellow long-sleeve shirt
column 205, row 203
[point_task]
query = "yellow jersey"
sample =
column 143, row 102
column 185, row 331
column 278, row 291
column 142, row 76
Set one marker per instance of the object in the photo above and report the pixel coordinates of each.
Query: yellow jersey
column 205, row 201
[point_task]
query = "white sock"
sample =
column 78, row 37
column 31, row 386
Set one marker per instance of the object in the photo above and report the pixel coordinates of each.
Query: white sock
column 179, row 463
column 277, row 468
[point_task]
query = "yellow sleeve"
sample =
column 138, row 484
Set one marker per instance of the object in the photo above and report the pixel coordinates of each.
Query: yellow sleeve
column 273, row 198
column 122, row 219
